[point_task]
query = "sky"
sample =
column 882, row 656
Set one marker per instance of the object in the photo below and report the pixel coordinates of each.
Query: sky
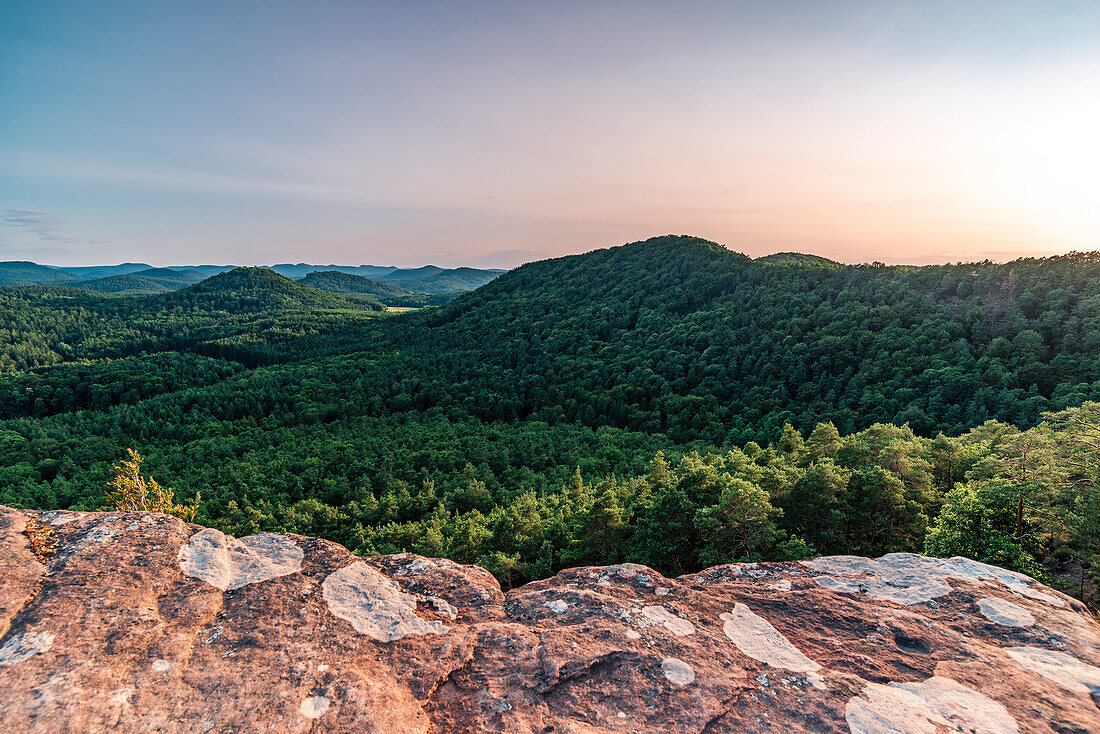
column 495, row 133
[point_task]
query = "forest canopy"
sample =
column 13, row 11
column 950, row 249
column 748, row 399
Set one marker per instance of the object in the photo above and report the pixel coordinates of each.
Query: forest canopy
column 667, row 402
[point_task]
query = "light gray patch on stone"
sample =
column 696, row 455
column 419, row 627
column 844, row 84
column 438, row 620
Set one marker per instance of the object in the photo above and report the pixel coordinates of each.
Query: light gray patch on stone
column 921, row 708
column 231, row 563
column 441, row 606
column 816, row 680
column 1065, row 670
column 1016, row 582
column 557, row 606
column 161, row 666
column 374, row 604
column 314, row 707
column 678, row 673
column 676, row 625
column 844, row 565
column 903, row 578
column 754, row 636
column 1005, row 613
column 99, row 534
column 910, row 578
column 25, row 646
column 781, row 585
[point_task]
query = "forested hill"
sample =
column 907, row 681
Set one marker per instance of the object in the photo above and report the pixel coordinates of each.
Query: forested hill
column 334, row 281
column 626, row 404
column 681, row 336
column 799, row 258
column 258, row 289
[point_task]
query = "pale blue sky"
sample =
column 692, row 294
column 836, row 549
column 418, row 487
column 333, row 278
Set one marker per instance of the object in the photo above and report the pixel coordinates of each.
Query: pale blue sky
column 493, row 133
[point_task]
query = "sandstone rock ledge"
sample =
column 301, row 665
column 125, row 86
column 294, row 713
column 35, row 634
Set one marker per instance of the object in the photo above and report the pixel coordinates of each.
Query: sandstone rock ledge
column 141, row 622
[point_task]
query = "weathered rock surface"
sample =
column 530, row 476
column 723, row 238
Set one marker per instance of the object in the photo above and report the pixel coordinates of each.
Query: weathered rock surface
column 141, row 622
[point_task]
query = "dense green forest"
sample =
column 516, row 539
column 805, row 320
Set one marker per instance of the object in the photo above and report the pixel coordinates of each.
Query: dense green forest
column 667, row 402
column 356, row 286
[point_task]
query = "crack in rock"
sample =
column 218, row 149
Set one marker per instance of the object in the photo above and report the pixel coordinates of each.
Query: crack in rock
column 231, row 563
column 374, row 604
column 922, row 708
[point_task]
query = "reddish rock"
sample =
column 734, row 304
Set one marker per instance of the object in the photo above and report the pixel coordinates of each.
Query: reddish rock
column 141, row 622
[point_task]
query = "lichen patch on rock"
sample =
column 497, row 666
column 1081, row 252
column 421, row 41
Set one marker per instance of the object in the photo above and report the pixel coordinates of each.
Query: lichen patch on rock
column 674, row 624
column 374, row 604
column 314, row 707
column 557, row 606
column 1016, row 582
column 1005, row 613
column 921, row 708
column 231, row 563
column 25, row 646
column 1065, row 670
column 754, row 636
column 678, row 673
column 897, row 577
column 908, row 578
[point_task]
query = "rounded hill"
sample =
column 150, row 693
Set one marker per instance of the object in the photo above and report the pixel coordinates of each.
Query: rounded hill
column 259, row 288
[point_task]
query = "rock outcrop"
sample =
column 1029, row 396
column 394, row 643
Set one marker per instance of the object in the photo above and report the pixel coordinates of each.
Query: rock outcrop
column 139, row 622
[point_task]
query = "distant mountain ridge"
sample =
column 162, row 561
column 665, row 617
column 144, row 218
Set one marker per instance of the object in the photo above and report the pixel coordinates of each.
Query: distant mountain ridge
column 152, row 280
column 425, row 285
column 21, row 272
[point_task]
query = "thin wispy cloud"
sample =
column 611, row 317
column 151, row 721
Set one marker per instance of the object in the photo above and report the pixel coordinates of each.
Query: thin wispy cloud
column 44, row 226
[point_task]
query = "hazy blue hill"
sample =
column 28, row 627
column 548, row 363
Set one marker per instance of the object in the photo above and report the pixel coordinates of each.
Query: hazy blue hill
column 420, row 273
column 204, row 270
column 297, row 271
column 103, row 271
column 453, row 281
column 799, row 259
column 369, row 271
column 153, row 280
column 260, row 288
column 140, row 278
column 173, row 274
column 21, row 272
